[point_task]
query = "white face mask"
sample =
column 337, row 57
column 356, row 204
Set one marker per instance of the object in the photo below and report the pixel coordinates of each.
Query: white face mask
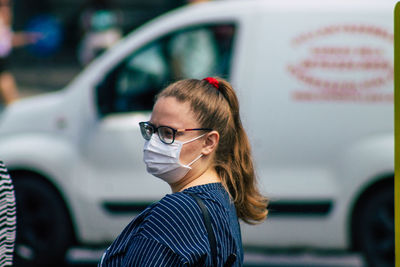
column 162, row 160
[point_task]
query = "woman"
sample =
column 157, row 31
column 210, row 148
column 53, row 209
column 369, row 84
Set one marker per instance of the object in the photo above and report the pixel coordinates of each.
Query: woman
column 195, row 142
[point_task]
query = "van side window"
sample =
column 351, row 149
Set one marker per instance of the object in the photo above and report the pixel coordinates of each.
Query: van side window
column 188, row 53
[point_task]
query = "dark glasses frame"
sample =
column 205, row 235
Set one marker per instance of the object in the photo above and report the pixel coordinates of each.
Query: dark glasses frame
column 144, row 124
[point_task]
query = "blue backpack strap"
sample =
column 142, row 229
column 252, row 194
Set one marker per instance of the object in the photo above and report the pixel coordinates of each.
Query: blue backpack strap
column 207, row 223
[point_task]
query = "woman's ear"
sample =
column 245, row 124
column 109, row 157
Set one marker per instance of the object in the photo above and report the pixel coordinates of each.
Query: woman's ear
column 210, row 143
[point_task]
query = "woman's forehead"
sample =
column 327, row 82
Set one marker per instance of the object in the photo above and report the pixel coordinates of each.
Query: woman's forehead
column 169, row 111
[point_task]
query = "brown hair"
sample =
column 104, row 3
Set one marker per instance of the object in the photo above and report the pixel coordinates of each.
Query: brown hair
column 218, row 109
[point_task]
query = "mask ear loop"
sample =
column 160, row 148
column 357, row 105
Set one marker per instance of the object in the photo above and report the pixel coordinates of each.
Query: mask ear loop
column 194, row 139
column 195, row 160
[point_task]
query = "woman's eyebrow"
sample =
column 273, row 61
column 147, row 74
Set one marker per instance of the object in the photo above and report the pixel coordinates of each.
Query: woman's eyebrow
column 155, row 124
column 174, row 126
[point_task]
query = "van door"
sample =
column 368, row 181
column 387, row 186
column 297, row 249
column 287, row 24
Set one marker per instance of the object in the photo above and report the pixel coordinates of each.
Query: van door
column 320, row 89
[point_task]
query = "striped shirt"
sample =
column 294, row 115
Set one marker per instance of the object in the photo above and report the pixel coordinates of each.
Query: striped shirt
column 171, row 232
column 7, row 217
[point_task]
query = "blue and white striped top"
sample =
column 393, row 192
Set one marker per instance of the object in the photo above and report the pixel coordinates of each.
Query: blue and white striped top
column 7, row 217
column 171, row 232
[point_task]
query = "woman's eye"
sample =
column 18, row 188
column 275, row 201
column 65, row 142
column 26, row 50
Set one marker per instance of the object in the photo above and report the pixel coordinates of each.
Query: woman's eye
column 168, row 134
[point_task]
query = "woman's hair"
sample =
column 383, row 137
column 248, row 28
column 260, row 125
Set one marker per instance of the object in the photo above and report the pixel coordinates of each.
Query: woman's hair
column 218, row 109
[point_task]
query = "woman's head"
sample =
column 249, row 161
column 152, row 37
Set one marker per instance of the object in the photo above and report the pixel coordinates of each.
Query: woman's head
column 183, row 127
column 212, row 104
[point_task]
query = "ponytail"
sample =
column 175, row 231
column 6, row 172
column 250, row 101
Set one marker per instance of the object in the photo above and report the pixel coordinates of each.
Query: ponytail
column 216, row 106
column 236, row 167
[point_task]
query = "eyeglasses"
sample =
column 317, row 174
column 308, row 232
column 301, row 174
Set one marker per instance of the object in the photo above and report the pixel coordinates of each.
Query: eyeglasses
column 165, row 133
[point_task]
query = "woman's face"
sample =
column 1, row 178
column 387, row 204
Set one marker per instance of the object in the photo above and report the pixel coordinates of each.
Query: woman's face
column 168, row 111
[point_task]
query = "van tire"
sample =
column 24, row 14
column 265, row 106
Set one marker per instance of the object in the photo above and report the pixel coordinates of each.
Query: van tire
column 44, row 231
column 374, row 227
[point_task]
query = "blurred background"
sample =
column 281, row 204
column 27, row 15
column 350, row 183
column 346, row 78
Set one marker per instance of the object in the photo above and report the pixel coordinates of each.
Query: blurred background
column 71, row 47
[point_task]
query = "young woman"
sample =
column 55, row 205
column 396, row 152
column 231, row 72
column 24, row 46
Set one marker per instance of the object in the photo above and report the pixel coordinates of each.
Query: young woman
column 195, row 142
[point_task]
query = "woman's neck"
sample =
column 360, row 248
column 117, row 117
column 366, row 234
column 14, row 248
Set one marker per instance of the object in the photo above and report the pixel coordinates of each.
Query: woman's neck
column 207, row 177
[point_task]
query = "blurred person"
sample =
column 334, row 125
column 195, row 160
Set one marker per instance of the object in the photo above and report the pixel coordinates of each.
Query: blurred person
column 196, row 143
column 8, row 40
column 99, row 23
column 7, row 217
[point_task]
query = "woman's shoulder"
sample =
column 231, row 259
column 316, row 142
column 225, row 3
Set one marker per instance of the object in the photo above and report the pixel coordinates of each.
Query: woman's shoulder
column 179, row 211
column 179, row 207
column 4, row 175
column 175, row 222
column 3, row 168
column 178, row 214
column 183, row 206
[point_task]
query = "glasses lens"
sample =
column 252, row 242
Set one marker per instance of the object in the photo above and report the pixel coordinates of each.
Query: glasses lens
column 166, row 134
column 146, row 130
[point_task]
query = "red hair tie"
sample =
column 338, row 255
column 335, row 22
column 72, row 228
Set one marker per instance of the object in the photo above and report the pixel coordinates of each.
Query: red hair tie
column 214, row 82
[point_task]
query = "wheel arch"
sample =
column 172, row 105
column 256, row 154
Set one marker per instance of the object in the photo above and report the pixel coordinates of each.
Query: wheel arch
column 380, row 181
column 38, row 175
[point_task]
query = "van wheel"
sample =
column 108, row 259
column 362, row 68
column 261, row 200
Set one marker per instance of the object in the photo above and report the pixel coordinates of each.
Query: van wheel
column 44, row 232
column 374, row 227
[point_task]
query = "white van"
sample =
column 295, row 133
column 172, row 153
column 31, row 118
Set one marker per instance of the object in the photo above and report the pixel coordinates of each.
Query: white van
column 315, row 82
